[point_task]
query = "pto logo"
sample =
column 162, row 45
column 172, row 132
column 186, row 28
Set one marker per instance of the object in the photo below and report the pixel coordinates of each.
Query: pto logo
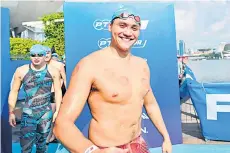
column 217, row 103
column 144, row 24
column 105, row 42
column 144, row 116
column 140, row 44
column 101, row 24
column 104, row 24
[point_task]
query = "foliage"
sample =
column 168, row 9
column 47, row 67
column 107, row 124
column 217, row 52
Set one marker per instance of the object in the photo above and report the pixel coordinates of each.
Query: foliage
column 19, row 47
column 54, row 31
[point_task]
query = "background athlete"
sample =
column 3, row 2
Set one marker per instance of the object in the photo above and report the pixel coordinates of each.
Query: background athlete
column 37, row 79
column 60, row 67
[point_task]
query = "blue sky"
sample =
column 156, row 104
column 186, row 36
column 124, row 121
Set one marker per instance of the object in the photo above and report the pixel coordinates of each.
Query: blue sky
column 203, row 24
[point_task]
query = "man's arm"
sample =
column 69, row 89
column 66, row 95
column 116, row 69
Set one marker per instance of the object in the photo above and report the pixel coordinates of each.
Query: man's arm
column 57, row 88
column 12, row 99
column 73, row 103
column 153, row 110
column 63, row 74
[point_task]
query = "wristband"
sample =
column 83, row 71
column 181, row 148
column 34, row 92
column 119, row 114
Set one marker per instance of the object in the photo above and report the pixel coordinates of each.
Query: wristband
column 91, row 149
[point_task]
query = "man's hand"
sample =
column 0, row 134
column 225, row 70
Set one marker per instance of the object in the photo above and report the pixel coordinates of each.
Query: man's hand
column 111, row 150
column 55, row 116
column 12, row 119
column 167, row 146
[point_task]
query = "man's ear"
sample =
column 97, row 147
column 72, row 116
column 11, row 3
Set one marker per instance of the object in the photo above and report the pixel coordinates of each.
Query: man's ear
column 110, row 27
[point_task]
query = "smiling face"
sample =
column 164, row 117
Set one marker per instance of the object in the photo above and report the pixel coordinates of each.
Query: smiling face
column 125, row 33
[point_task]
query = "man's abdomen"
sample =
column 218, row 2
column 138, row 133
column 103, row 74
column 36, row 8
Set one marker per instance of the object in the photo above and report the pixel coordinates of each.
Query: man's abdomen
column 112, row 133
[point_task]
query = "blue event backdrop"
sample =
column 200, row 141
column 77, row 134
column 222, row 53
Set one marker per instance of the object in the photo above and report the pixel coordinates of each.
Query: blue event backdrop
column 8, row 67
column 86, row 30
column 212, row 104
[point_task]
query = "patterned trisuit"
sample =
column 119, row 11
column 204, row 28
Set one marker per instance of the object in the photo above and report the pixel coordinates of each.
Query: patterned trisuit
column 37, row 113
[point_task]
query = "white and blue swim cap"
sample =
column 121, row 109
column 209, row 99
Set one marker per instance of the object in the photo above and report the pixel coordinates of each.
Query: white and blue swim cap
column 38, row 49
column 47, row 49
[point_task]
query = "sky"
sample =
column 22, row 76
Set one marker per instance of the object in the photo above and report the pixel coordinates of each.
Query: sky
column 202, row 24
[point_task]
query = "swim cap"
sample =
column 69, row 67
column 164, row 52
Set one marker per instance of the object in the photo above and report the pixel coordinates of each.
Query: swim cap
column 38, row 49
column 54, row 55
column 125, row 12
column 47, row 49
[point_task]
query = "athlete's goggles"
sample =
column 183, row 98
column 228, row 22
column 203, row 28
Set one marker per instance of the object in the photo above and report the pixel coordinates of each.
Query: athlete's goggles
column 127, row 15
column 36, row 55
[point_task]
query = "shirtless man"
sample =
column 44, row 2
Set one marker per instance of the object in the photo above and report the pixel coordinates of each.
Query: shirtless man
column 116, row 85
column 60, row 67
column 37, row 79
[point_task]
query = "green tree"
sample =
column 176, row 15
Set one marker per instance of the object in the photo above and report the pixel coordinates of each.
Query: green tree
column 54, row 31
column 19, row 47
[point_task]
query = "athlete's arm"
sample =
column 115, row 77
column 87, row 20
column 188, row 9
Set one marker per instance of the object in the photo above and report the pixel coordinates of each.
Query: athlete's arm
column 12, row 99
column 153, row 110
column 57, row 88
column 73, row 103
column 63, row 74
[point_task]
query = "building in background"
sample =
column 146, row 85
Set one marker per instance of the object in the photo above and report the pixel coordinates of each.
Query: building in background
column 25, row 11
column 33, row 30
column 181, row 47
column 226, row 51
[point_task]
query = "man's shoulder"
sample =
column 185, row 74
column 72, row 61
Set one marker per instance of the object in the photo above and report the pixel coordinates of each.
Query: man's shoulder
column 52, row 69
column 139, row 60
column 94, row 55
column 88, row 63
column 59, row 63
column 23, row 68
column 91, row 58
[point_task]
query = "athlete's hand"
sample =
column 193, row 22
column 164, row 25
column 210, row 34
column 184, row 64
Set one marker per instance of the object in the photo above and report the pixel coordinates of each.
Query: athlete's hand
column 55, row 116
column 167, row 146
column 12, row 120
column 111, row 150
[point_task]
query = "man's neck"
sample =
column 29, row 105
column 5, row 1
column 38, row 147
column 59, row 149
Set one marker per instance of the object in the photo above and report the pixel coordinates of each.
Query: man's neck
column 51, row 60
column 38, row 67
column 117, row 53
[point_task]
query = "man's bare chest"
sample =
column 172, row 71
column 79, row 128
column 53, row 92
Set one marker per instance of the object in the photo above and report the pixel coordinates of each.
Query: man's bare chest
column 121, row 84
